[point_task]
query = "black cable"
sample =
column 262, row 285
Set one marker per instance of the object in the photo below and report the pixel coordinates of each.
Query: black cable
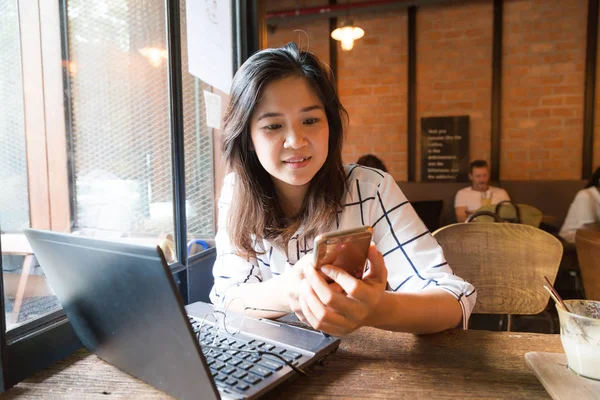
column 260, row 353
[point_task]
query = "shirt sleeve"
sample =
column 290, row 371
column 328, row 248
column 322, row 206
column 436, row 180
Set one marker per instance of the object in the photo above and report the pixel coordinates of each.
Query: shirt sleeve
column 229, row 270
column 460, row 200
column 503, row 195
column 413, row 257
column 580, row 212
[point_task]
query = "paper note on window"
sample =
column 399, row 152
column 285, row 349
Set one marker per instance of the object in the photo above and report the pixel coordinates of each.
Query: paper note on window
column 209, row 42
column 213, row 110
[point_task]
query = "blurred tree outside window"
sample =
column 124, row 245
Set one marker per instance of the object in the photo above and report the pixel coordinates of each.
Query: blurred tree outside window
column 117, row 135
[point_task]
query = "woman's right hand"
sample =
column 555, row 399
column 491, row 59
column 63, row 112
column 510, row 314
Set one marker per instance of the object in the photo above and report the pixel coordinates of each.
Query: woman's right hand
column 293, row 281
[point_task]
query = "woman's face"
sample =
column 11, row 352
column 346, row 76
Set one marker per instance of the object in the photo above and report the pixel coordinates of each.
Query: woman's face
column 290, row 133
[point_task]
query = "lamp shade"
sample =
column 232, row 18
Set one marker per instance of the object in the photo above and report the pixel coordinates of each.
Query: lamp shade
column 154, row 55
column 347, row 34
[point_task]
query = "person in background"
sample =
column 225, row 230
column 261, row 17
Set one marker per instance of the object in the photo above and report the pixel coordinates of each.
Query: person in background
column 584, row 209
column 479, row 194
column 282, row 140
column 369, row 160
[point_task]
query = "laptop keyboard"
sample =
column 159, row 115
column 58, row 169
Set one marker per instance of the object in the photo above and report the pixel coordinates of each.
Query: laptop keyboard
column 235, row 362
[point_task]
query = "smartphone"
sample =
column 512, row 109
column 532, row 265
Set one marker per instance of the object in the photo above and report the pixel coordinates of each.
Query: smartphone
column 346, row 249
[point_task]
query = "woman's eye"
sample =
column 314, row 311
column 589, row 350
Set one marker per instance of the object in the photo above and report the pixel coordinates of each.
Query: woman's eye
column 311, row 121
column 272, row 127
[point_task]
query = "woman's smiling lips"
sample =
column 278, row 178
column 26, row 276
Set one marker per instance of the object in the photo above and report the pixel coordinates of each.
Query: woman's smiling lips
column 297, row 162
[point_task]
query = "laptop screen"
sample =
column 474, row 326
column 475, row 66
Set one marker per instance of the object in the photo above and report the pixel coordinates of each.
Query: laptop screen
column 124, row 306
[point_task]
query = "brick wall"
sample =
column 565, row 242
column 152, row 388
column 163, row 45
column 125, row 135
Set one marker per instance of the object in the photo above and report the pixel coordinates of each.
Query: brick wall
column 313, row 34
column 542, row 93
column 454, row 76
column 543, row 89
column 371, row 81
column 596, row 142
column 372, row 86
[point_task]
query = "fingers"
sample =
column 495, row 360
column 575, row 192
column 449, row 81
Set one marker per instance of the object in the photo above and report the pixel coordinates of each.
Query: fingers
column 294, row 293
column 377, row 271
column 291, row 287
column 322, row 326
column 325, row 306
column 360, row 290
column 334, row 286
column 305, row 311
column 296, row 308
column 320, row 316
column 346, row 281
column 331, row 295
column 342, row 306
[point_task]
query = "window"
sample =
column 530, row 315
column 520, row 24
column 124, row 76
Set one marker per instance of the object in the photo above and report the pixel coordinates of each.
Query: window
column 86, row 148
column 14, row 200
column 116, row 142
column 26, row 295
column 119, row 126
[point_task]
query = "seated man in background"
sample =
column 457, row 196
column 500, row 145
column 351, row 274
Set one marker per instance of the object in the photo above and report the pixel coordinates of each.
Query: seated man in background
column 480, row 193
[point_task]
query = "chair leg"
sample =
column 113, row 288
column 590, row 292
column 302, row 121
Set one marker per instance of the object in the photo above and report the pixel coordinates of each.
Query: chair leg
column 548, row 316
column 27, row 263
column 509, row 323
column 579, row 289
column 501, row 322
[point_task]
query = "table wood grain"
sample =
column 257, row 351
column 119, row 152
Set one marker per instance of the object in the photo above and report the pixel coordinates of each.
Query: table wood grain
column 370, row 363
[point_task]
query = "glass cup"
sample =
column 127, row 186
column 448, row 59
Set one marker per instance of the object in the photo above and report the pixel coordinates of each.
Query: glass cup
column 485, row 200
column 580, row 336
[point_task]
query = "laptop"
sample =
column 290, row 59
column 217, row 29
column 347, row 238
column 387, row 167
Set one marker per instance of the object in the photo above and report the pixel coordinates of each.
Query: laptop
column 123, row 304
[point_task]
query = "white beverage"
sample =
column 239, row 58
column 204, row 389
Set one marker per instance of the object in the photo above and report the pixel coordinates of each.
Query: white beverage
column 580, row 336
column 583, row 358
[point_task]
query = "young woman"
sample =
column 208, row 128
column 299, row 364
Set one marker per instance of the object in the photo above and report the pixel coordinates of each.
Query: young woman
column 584, row 209
column 282, row 140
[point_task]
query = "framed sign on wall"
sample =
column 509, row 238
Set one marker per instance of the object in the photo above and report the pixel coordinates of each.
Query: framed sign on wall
column 445, row 149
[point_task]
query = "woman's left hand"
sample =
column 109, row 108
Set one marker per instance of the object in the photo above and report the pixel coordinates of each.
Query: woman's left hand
column 328, row 310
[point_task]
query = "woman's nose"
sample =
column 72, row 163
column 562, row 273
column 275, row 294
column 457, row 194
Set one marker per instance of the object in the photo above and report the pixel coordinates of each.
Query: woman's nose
column 294, row 139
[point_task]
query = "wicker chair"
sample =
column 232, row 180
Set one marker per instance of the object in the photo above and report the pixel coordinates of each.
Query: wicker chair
column 505, row 262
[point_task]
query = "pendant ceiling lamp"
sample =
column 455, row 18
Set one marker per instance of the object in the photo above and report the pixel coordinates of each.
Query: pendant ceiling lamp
column 347, row 33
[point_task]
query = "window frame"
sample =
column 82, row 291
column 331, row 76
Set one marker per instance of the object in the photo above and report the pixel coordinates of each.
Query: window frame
column 33, row 346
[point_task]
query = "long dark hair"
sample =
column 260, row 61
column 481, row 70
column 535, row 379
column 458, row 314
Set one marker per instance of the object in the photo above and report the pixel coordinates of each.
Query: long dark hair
column 594, row 180
column 255, row 209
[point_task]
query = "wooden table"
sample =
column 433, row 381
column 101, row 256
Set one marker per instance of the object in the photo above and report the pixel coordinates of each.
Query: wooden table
column 369, row 364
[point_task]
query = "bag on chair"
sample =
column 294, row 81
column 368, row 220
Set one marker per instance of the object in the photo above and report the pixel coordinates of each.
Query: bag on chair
column 506, row 211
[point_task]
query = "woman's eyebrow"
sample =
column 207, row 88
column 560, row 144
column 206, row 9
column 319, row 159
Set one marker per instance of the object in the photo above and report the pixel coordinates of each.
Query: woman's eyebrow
column 274, row 114
column 310, row 108
column 269, row 115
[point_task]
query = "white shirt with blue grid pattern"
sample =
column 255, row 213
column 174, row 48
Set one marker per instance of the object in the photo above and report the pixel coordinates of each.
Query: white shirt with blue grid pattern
column 414, row 259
